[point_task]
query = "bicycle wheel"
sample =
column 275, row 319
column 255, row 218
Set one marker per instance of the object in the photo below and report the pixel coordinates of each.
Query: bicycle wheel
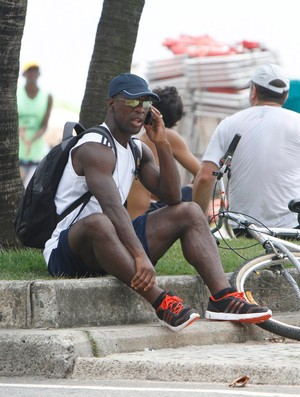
column 264, row 278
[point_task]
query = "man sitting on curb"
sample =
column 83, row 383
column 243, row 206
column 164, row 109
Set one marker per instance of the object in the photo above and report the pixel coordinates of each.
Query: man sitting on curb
column 102, row 239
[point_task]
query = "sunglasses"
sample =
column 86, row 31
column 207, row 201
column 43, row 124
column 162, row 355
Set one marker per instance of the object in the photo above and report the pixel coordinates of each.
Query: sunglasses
column 135, row 102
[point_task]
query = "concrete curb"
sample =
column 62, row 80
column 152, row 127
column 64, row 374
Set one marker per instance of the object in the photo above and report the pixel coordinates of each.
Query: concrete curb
column 100, row 329
column 53, row 353
column 264, row 363
column 41, row 353
column 87, row 302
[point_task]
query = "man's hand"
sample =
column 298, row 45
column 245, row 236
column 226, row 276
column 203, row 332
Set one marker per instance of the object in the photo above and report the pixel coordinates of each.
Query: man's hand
column 145, row 276
column 156, row 131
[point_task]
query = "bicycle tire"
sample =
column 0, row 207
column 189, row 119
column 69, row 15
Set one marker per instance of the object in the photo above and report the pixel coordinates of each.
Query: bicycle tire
column 261, row 276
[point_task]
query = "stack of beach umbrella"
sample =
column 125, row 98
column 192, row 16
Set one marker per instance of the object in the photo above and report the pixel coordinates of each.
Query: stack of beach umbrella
column 211, row 78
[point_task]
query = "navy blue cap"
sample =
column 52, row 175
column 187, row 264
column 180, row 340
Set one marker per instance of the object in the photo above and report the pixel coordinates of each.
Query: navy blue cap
column 131, row 86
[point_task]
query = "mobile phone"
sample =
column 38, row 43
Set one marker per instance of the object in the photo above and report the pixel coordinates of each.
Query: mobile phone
column 148, row 119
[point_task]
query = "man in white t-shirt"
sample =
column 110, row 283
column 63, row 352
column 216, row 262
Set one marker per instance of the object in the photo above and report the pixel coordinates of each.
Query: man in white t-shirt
column 102, row 239
column 265, row 169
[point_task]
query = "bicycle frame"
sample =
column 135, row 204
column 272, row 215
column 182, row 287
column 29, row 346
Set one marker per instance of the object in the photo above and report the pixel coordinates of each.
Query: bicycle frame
column 269, row 238
column 280, row 264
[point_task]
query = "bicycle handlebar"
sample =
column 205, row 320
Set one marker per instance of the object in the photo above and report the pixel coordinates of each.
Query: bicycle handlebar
column 231, row 148
column 226, row 159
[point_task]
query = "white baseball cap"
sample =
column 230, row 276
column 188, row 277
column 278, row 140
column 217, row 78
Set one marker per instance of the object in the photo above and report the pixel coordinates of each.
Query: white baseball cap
column 264, row 76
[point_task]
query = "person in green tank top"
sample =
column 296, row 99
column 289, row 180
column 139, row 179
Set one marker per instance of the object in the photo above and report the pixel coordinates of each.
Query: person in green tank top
column 34, row 109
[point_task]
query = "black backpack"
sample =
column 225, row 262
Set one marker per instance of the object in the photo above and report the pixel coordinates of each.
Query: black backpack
column 36, row 216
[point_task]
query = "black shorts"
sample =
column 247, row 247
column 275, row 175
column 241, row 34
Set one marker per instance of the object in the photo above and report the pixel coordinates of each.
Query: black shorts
column 139, row 225
column 64, row 263
column 186, row 195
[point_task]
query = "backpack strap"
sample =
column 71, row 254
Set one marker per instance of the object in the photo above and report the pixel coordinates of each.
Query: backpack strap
column 84, row 199
column 69, row 127
column 68, row 132
column 136, row 154
column 107, row 140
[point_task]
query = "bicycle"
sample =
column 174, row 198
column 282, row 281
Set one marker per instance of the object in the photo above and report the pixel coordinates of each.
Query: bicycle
column 272, row 279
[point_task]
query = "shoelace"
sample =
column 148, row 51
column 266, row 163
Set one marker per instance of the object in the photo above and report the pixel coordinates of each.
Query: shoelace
column 238, row 295
column 172, row 303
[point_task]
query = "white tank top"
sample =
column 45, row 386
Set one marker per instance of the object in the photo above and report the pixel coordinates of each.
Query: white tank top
column 73, row 186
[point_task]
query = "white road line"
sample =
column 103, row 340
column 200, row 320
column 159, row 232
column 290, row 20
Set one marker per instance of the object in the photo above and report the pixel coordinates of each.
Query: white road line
column 237, row 391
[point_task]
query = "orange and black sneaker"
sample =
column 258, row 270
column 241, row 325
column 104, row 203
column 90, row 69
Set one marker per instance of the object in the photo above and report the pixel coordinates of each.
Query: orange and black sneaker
column 230, row 305
column 172, row 313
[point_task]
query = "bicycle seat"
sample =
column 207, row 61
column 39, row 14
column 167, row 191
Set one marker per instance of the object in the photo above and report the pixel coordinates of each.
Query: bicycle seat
column 294, row 205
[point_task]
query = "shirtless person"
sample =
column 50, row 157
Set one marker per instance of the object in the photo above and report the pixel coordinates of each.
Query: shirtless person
column 170, row 106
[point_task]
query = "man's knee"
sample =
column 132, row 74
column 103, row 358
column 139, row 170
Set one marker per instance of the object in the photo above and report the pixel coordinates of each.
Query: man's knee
column 191, row 209
column 184, row 213
column 97, row 225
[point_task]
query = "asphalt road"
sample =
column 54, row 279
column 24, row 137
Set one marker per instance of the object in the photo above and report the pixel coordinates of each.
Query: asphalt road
column 24, row 387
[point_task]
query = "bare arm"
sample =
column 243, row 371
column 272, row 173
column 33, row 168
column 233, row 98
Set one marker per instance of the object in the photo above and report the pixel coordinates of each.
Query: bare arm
column 204, row 184
column 162, row 181
column 97, row 163
column 182, row 152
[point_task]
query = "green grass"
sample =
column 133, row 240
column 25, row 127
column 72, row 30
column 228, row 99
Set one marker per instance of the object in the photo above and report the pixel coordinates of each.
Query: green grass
column 173, row 262
column 22, row 264
column 28, row 264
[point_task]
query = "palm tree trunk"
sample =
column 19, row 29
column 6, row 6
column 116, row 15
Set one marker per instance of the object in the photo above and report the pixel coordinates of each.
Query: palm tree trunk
column 114, row 45
column 13, row 13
